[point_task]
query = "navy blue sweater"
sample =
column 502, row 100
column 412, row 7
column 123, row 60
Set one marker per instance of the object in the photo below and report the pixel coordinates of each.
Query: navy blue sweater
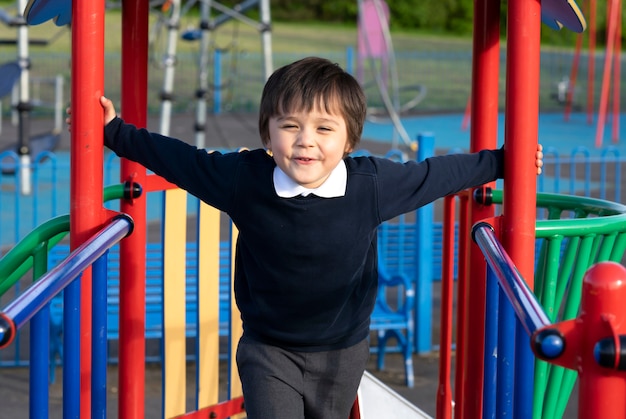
column 305, row 267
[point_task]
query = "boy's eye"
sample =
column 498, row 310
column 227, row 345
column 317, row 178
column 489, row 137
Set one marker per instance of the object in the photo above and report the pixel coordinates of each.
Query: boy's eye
column 324, row 129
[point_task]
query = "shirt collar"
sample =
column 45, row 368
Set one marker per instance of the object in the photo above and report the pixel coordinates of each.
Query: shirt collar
column 333, row 187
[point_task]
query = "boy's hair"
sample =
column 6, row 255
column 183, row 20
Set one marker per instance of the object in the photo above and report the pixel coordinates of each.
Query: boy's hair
column 310, row 82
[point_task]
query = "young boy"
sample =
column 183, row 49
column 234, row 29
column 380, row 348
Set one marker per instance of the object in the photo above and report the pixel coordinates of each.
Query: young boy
column 307, row 214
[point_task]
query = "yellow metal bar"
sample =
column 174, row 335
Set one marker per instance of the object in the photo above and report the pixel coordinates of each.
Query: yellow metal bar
column 208, row 305
column 236, row 328
column 174, row 289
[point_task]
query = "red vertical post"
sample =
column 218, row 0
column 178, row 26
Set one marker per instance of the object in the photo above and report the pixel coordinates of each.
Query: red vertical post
column 86, row 189
column 612, row 13
column 520, row 137
column 522, row 113
column 483, row 134
column 444, row 389
column 591, row 60
column 132, row 249
column 569, row 98
column 603, row 315
column 617, row 69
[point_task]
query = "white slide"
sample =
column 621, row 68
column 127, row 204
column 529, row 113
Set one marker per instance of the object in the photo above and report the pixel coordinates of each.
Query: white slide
column 377, row 400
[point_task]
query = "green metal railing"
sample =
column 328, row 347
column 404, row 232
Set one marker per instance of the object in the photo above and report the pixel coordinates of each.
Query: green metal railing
column 577, row 233
column 32, row 250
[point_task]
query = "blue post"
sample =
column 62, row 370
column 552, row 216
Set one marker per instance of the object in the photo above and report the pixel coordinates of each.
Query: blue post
column 524, row 374
column 99, row 338
column 506, row 357
column 491, row 345
column 217, row 82
column 40, row 339
column 71, row 350
column 424, row 259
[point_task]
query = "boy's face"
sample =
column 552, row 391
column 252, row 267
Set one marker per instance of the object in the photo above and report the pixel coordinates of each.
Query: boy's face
column 307, row 146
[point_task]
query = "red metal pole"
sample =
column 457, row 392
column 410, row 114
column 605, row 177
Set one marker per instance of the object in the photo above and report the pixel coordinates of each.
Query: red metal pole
column 132, row 249
column 594, row 342
column 520, row 137
column 522, row 111
column 591, row 60
column 467, row 116
column 612, row 14
column 86, row 164
column 444, row 392
column 483, row 135
column 572, row 78
column 603, row 315
column 617, row 69
column 461, row 310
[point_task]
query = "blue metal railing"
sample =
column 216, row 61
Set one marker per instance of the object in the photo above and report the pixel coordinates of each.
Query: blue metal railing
column 31, row 304
column 509, row 358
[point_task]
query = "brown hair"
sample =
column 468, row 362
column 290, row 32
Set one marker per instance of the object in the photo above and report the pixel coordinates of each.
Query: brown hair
column 309, row 82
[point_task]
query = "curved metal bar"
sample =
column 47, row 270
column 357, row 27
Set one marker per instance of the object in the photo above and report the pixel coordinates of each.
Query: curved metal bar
column 527, row 308
column 24, row 307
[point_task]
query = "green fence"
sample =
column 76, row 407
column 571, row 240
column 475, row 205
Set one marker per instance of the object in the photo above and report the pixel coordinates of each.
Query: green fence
column 576, row 233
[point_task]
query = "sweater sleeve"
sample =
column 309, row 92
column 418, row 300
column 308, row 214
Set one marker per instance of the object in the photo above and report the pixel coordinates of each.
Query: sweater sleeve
column 209, row 176
column 404, row 187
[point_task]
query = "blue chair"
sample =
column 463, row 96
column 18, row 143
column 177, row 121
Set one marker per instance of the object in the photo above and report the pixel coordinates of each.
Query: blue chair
column 393, row 318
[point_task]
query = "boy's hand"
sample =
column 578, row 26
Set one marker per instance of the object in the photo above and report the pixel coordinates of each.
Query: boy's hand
column 107, row 106
column 109, row 109
column 539, row 158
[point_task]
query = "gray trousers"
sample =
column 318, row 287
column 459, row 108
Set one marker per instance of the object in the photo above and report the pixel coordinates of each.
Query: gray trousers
column 281, row 384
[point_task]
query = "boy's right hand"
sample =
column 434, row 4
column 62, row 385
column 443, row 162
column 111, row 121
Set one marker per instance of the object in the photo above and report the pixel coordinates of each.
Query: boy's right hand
column 107, row 106
column 109, row 109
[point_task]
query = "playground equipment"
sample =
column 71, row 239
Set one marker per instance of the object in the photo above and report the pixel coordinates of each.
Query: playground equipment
column 28, row 146
column 208, row 24
column 578, row 233
column 203, row 34
column 556, row 14
column 587, row 344
column 375, row 46
column 87, row 214
column 612, row 66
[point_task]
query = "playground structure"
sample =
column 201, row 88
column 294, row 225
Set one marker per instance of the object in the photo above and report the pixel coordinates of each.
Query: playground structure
column 612, row 66
column 20, row 83
column 375, row 46
column 85, row 222
column 172, row 10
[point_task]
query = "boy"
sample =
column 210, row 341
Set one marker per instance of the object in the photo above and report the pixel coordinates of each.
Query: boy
column 307, row 214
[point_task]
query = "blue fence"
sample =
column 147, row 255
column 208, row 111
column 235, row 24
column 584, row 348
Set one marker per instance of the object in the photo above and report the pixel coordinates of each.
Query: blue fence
column 580, row 173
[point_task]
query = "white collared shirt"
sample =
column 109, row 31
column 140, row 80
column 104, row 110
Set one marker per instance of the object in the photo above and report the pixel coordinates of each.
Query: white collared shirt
column 332, row 187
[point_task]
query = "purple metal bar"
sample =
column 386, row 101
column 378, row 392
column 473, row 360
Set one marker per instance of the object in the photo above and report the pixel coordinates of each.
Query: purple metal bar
column 24, row 307
column 527, row 308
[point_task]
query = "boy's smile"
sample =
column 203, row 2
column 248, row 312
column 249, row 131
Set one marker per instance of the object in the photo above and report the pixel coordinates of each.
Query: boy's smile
column 307, row 146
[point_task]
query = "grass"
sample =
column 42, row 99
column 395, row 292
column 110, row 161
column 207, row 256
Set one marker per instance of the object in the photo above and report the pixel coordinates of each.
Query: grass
column 242, row 52
column 286, row 37
column 440, row 64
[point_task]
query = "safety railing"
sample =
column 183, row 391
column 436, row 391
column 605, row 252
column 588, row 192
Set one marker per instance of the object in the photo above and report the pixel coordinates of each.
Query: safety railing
column 584, row 344
column 31, row 306
column 31, row 254
column 577, row 233
column 573, row 234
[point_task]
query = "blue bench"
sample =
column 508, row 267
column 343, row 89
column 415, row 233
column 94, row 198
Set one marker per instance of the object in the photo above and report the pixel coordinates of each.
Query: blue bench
column 154, row 296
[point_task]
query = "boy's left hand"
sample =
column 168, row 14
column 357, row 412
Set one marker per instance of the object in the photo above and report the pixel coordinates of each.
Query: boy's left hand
column 539, row 158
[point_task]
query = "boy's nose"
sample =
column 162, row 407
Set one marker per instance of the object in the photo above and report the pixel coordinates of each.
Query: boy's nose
column 305, row 138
